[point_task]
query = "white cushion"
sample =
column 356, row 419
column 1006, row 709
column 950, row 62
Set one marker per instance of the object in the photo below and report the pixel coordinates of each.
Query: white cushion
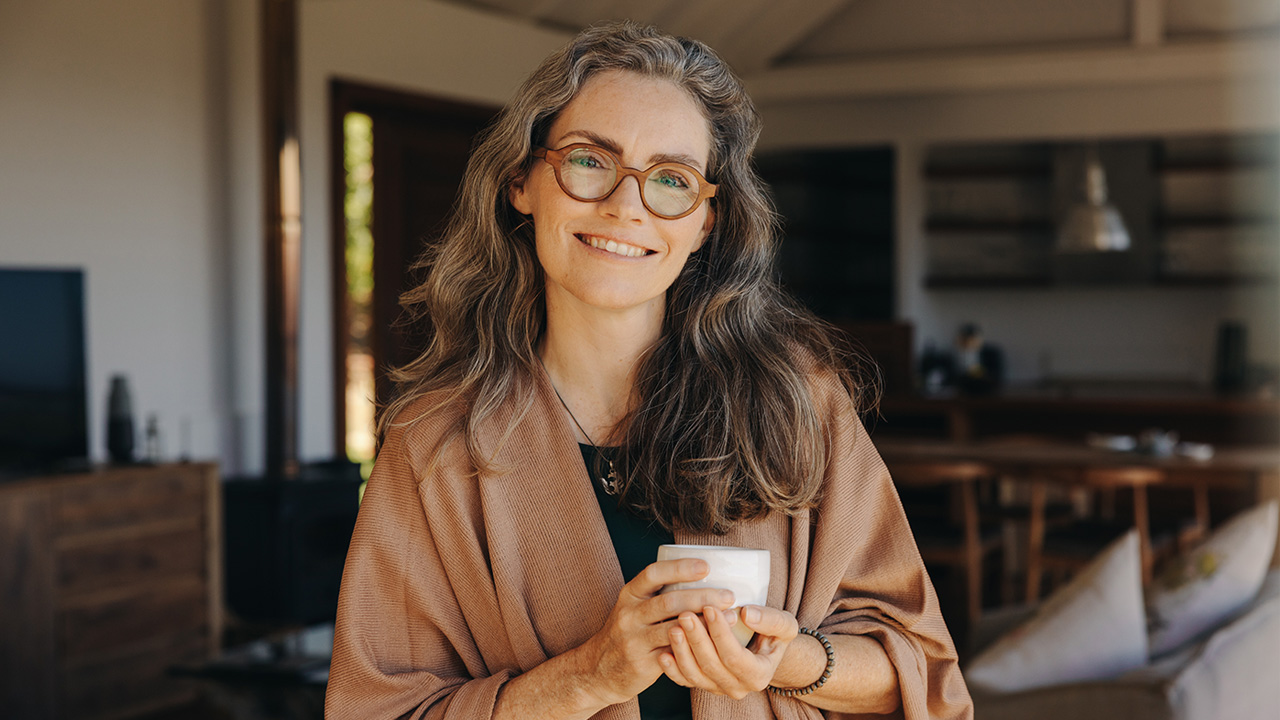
column 1207, row 586
column 1094, row 627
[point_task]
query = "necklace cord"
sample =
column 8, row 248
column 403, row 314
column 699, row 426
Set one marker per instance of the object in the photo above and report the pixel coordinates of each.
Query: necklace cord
column 609, row 482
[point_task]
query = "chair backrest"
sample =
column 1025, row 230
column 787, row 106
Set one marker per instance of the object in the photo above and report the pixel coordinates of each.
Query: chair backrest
column 1121, row 476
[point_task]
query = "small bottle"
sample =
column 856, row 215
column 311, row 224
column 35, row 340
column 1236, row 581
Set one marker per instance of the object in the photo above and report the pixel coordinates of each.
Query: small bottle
column 152, row 443
column 120, row 421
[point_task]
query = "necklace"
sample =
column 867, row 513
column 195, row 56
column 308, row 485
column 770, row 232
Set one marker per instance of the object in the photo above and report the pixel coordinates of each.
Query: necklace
column 608, row 482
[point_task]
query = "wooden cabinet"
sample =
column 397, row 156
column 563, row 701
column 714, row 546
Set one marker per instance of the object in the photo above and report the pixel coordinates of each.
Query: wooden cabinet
column 107, row 579
column 837, row 209
column 1220, row 208
column 1199, row 210
column 988, row 215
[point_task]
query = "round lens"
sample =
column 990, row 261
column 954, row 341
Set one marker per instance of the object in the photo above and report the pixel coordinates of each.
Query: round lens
column 588, row 174
column 671, row 189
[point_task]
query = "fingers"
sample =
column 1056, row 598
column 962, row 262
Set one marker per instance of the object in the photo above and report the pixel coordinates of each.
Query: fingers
column 770, row 621
column 686, row 665
column 672, row 670
column 666, row 572
column 733, row 665
column 672, row 603
column 706, row 654
column 711, row 658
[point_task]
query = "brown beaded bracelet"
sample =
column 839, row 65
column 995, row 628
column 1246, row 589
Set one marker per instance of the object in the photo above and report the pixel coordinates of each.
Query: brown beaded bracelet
column 831, row 665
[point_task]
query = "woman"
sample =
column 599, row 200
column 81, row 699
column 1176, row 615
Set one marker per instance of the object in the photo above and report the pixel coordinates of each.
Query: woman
column 612, row 367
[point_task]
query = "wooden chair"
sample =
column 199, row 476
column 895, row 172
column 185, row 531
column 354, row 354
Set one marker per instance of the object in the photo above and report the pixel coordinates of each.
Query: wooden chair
column 951, row 534
column 1069, row 548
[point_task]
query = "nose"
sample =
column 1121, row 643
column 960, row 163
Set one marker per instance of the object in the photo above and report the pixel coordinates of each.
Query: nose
column 625, row 203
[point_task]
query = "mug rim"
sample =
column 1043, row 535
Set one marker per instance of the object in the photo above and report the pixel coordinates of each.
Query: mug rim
column 737, row 548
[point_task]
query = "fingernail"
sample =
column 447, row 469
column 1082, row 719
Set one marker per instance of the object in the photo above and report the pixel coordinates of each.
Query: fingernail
column 710, row 613
column 700, row 566
column 753, row 614
column 726, row 597
column 686, row 622
column 677, row 637
column 731, row 616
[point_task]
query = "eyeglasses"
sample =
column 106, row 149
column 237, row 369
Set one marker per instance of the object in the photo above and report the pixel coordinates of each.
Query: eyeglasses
column 590, row 173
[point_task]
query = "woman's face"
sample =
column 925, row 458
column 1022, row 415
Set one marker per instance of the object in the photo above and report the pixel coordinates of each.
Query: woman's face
column 644, row 121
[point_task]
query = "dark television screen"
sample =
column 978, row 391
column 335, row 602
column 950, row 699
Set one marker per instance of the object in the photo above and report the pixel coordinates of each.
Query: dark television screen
column 42, row 369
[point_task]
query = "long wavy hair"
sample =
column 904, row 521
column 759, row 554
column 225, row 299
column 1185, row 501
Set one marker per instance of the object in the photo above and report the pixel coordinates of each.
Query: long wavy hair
column 726, row 427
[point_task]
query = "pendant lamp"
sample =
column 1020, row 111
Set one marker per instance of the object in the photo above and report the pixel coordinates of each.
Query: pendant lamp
column 1092, row 224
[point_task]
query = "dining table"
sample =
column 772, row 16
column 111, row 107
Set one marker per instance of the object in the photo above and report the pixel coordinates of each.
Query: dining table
column 1253, row 471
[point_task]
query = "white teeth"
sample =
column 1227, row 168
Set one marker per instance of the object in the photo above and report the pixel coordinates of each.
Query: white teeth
column 613, row 246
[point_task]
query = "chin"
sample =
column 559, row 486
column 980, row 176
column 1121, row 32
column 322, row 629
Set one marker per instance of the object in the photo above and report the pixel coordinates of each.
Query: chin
column 615, row 301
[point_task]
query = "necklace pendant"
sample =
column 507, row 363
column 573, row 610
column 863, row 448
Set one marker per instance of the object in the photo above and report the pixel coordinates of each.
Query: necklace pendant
column 610, row 481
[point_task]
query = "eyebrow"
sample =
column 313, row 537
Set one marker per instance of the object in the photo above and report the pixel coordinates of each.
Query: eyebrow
column 616, row 149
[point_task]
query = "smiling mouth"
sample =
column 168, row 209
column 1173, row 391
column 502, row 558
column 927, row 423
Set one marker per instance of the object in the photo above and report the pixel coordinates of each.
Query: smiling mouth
column 612, row 246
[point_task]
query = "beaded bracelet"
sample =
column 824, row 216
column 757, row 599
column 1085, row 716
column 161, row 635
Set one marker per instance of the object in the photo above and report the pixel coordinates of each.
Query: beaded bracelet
column 831, row 665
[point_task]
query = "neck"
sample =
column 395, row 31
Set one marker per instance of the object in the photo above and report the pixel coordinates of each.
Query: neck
column 591, row 356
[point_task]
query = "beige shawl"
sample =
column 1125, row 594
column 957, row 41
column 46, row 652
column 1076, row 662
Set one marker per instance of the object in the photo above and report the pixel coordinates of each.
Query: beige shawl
column 455, row 584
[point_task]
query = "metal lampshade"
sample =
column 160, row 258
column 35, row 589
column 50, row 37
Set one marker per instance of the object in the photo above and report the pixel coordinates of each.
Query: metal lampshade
column 1092, row 224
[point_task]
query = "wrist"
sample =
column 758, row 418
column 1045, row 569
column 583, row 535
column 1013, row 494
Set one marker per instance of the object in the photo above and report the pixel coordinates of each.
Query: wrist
column 801, row 664
column 555, row 689
column 810, row 668
column 590, row 687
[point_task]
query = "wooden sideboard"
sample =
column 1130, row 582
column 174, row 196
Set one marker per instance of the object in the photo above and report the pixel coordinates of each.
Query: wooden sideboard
column 107, row 579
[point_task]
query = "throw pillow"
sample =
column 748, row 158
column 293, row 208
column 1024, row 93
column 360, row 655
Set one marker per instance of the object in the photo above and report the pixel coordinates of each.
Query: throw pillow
column 1203, row 588
column 1094, row 627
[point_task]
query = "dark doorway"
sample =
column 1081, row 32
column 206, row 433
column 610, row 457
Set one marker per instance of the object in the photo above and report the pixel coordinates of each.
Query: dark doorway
column 420, row 147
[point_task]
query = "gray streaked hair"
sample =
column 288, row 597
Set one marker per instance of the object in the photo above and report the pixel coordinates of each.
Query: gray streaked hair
column 725, row 427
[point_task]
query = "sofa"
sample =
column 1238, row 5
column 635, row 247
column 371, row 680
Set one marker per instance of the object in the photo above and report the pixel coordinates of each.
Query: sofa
column 1231, row 674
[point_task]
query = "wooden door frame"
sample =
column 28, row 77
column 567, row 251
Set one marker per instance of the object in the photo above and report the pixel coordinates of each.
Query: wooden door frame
column 347, row 96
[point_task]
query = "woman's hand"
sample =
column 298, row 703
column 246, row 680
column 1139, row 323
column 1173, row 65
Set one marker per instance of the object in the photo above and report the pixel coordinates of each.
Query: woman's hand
column 705, row 654
column 623, row 656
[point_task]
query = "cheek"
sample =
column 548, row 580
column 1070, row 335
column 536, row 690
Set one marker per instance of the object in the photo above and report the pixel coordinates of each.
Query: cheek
column 692, row 235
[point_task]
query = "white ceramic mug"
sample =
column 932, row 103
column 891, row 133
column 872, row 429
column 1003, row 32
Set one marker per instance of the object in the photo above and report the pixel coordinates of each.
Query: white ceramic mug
column 744, row 571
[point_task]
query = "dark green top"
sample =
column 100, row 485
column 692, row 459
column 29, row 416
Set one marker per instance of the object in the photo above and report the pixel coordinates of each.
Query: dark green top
column 636, row 542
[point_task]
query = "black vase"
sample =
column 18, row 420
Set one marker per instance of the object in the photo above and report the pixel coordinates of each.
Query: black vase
column 120, row 421
column 1231, row 360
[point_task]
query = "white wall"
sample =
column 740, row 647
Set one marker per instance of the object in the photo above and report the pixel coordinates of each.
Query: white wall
column 111, row 160
column 130, row 141
column 1101, row 332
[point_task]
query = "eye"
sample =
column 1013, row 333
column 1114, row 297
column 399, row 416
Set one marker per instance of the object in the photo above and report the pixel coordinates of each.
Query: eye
column 588, row 159
column 672, row 178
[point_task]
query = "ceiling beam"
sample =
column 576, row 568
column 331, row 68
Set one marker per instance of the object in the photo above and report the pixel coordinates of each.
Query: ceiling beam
column 540, row 10
column 701, row 20
column 775, row 30
column 1148, row 22
column 1113, row 67
column 650, row 12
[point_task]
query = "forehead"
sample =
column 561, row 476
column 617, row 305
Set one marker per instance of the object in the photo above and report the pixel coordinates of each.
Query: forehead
column 644, row 116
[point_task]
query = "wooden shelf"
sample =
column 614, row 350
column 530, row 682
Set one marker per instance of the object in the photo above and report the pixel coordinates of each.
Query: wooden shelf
column 1216, row 166
column 959, row 227
column 1033, row 173
column 939, row 282
column 1213, row 280
column 1169, row 222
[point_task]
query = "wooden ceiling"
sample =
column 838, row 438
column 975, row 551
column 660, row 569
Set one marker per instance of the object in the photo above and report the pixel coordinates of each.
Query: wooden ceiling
column 816, row 49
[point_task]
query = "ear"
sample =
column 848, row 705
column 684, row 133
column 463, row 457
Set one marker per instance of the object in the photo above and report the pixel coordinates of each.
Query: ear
column 518, row 198
column 707, row 226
